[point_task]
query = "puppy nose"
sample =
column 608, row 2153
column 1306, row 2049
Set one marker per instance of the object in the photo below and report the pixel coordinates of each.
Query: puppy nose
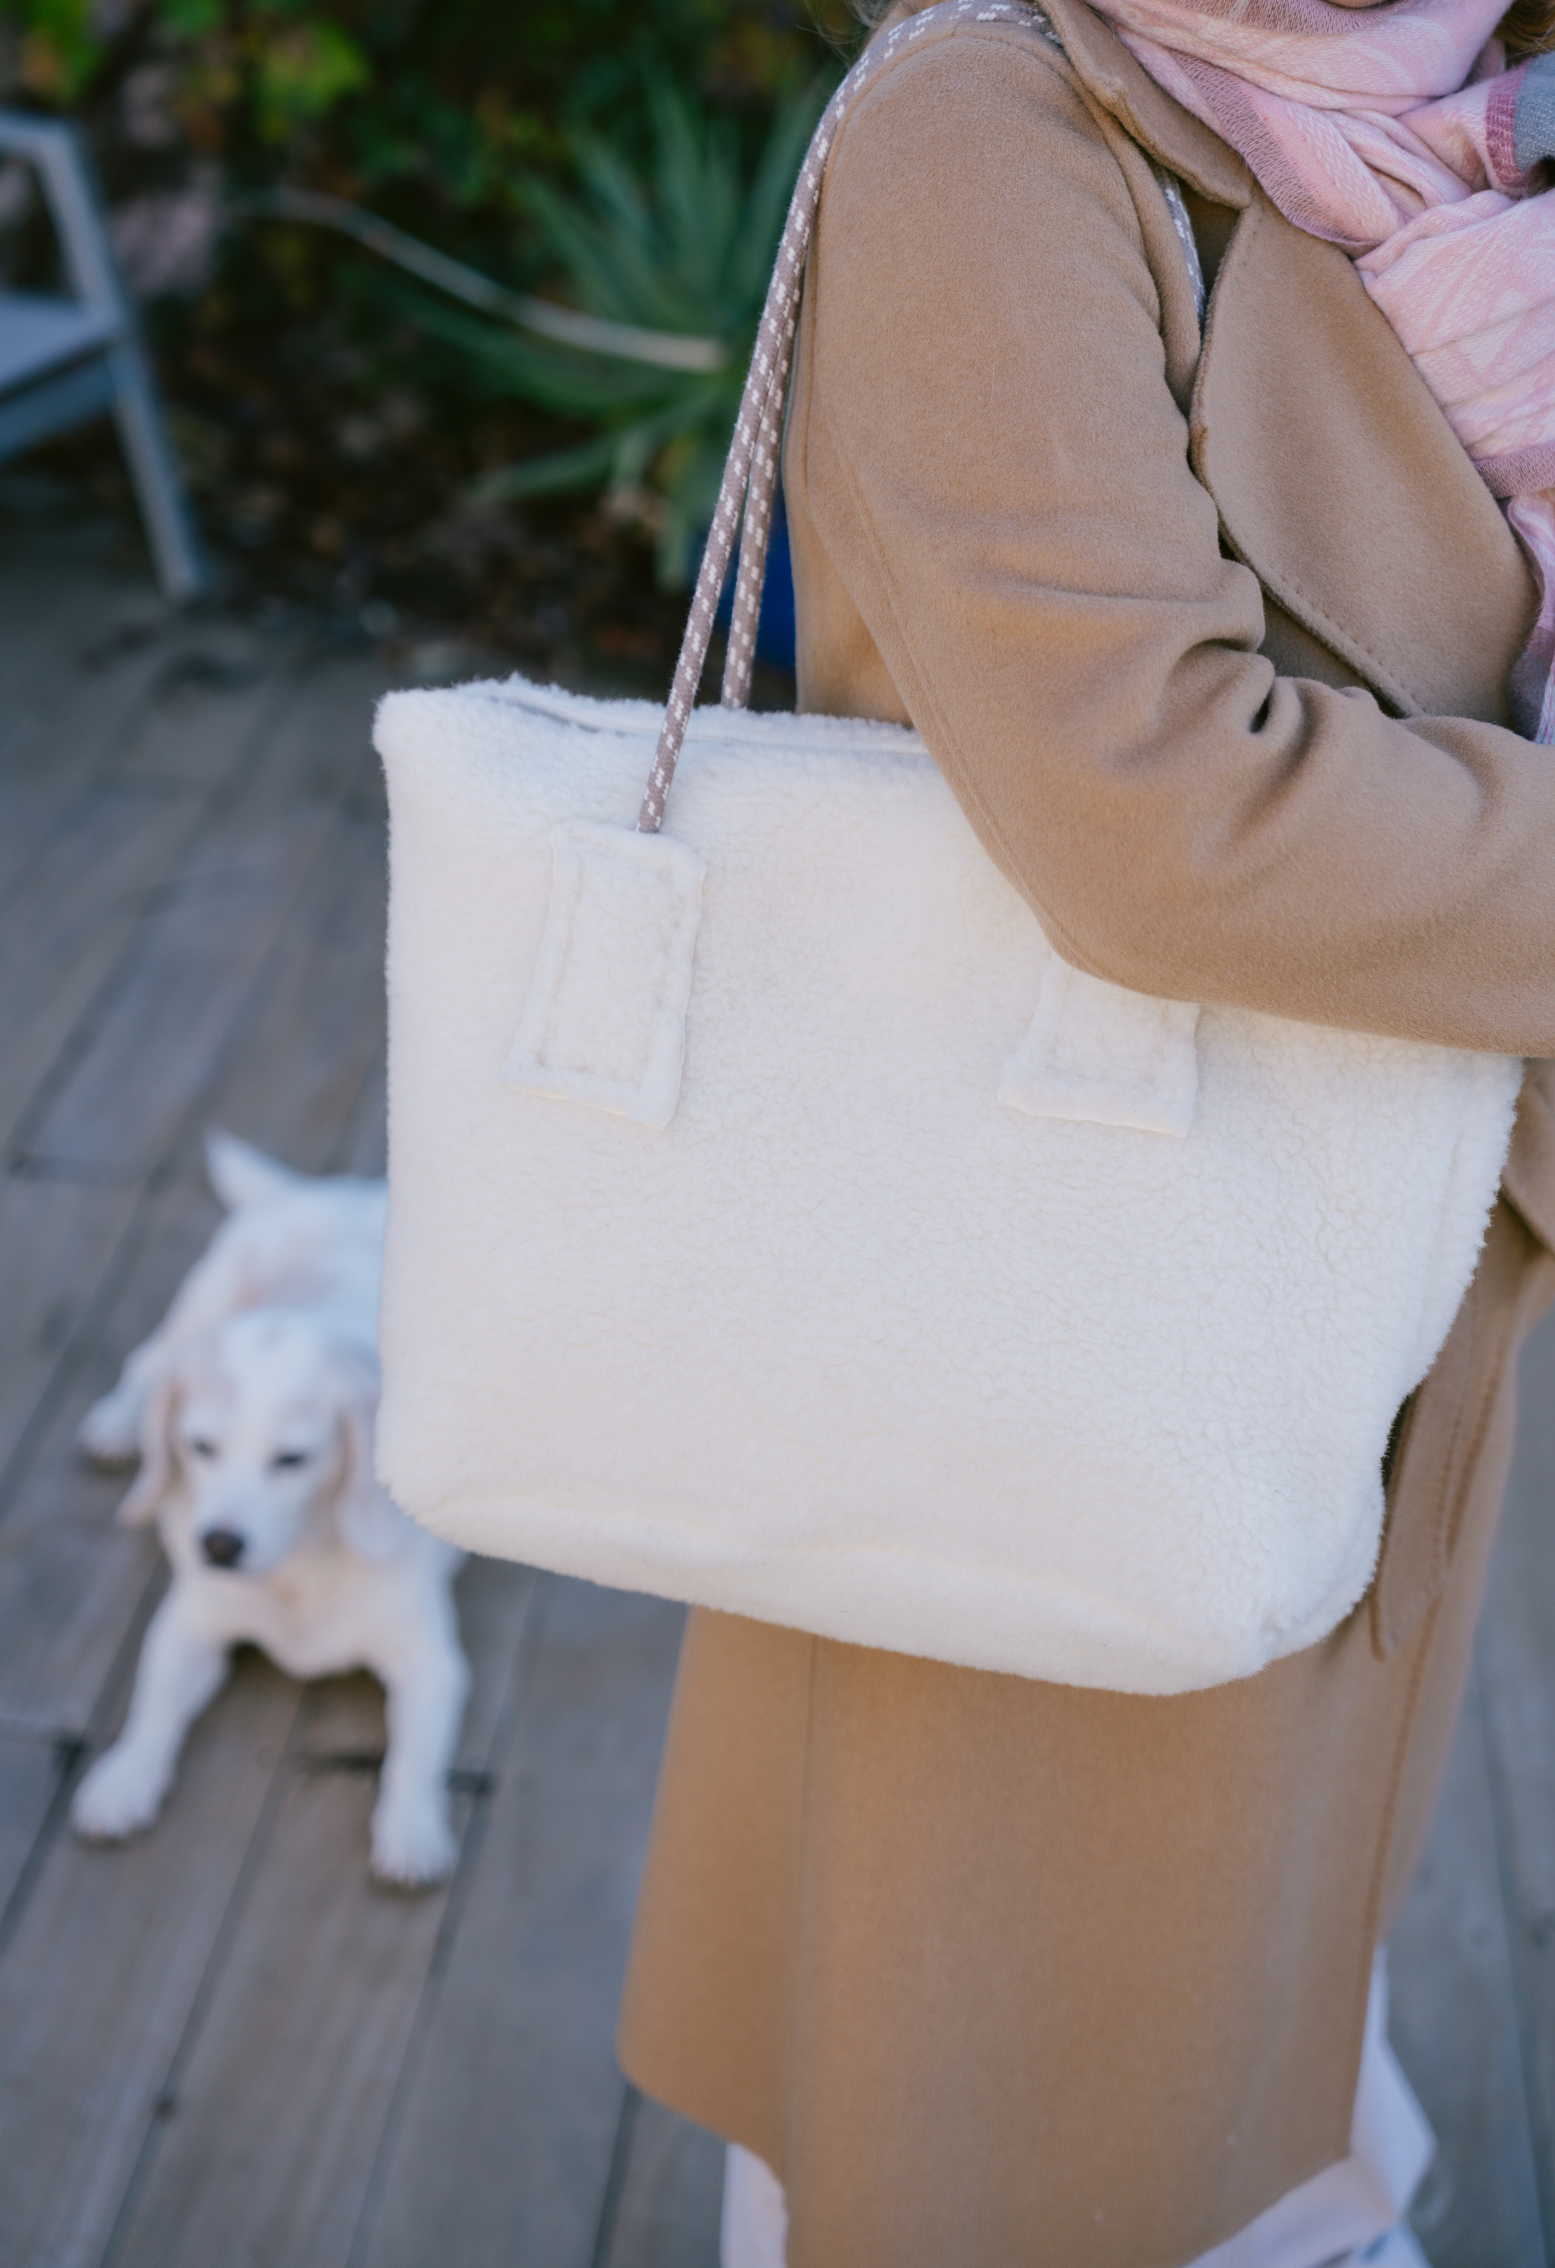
column 223, row 1547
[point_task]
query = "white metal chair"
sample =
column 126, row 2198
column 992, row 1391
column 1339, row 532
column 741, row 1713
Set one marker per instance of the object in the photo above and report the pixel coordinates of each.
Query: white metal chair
column 63, row 361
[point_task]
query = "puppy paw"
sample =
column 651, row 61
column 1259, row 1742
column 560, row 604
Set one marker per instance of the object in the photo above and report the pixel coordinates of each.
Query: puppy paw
column 120, row 1795
column 413, row 1845
column 110, row 1431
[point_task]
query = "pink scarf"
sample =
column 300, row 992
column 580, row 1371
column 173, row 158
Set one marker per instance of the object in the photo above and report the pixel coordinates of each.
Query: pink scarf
column 1398, row 133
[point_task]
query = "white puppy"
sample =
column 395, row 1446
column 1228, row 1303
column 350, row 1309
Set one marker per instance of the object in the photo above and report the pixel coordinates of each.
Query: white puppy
column 252, row 1410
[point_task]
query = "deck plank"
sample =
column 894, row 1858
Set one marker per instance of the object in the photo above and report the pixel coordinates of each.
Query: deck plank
column 502, row 2143
column 189, row 983
column 43, row 613
column 56, row 1241
column 307, row 2025
column 74, row 916
column 100, row 1975
column 29, row 1782
column 672, row 2194
column 1454, row 2026
column 68, row 922
column 296, row 1083
column 180, row 740
column 77, row 709
column 279, row 2110
column 67, row 611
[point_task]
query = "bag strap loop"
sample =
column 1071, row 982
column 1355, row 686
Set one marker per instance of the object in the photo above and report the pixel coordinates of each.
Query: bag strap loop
column 751, row 469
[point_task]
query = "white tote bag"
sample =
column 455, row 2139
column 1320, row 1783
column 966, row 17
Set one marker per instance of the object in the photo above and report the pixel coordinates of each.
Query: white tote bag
column 775, row 1222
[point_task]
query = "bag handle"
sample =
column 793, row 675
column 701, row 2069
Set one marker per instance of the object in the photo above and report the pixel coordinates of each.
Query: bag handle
column 751, row 469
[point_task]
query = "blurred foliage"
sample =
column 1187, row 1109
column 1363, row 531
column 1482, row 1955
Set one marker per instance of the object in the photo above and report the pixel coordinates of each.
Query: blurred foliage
column 457, row 99
column 347, row 448
column 683, row 245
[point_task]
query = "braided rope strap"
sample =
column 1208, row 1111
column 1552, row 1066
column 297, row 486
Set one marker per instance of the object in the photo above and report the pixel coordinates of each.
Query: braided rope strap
column 751, row 469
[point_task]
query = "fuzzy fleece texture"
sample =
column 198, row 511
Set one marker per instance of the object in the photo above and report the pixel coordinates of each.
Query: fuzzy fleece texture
column 846, row 1344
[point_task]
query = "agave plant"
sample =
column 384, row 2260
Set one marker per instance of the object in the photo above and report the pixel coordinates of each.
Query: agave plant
column 667, row 269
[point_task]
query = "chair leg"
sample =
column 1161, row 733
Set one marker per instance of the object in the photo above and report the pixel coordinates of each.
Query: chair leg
column 64, row 168
column 137, row 412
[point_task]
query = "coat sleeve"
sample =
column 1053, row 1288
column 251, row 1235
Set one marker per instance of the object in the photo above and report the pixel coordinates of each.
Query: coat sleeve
column 991, row 459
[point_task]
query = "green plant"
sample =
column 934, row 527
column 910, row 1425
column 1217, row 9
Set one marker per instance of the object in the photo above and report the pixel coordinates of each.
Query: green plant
column 334, row 442
column 287, row 64
column 437, row 102
column 681, row 248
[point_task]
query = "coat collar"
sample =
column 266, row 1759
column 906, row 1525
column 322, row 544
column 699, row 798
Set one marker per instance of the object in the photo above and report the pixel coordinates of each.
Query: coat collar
column 1147, row 114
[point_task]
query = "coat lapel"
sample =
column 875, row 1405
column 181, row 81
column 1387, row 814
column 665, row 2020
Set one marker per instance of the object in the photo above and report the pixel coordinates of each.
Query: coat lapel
column 1341, row 484
column 1337, row 479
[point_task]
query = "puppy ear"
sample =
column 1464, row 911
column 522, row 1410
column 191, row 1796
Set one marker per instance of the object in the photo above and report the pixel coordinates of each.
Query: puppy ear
column 368, row 1522
column 156, row 1454
column 243, row 1176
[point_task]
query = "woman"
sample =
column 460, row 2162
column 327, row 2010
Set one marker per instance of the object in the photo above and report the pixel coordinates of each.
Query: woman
column 1223, row 643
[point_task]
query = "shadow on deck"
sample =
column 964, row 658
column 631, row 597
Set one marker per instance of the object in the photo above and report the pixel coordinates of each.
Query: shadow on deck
column 220, row 2044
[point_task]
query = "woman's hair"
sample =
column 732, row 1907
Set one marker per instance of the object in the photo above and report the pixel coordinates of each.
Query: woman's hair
column 1528, row 27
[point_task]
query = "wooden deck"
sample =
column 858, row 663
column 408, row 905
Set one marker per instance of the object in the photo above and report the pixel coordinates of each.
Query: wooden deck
column 220, row 2046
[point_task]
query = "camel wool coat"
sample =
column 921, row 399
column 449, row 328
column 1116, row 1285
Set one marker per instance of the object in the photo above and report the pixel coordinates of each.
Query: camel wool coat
column 1210, row 633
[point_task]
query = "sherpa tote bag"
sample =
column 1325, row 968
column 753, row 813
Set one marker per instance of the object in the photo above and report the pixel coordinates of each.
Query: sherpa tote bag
column 776, row 1222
